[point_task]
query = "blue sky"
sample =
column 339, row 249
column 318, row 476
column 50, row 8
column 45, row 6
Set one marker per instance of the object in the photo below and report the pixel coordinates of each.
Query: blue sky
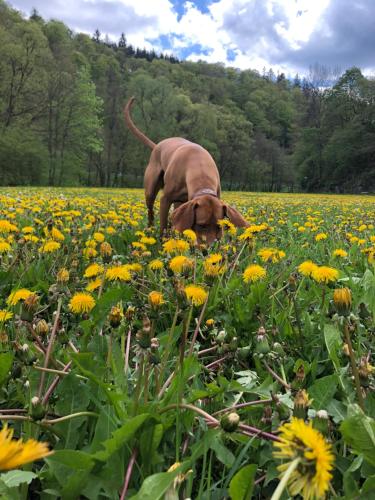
column 287, row 35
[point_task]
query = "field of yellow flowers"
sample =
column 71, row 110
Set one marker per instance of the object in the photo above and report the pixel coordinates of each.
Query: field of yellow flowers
column 137, row 368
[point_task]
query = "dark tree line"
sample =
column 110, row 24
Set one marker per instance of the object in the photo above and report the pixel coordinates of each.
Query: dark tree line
column 61, row 114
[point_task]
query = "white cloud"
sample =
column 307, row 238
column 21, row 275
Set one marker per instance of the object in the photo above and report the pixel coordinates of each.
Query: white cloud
column 259, row 33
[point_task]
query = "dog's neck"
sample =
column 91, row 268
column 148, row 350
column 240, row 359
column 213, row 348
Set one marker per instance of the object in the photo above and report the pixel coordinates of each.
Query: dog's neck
column 204, row 191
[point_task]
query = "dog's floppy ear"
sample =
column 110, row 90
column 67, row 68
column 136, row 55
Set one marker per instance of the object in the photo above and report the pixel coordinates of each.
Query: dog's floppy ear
column 183, row 217
column 234, row 216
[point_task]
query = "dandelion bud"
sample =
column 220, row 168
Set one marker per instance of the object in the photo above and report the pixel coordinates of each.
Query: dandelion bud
column 41, row 328
column 342, row 298
column 210, row 323
column 345, row 350
column 365, row 369
column 292, row 283
column 105, row 249
column 301, row 404
column 3, row 337
column 129, row 313
column 262, row 346
column 221, row 336
column 37, row 409
column 230, row 421
column 29, row 307
column 321, row 422
column 115, row 316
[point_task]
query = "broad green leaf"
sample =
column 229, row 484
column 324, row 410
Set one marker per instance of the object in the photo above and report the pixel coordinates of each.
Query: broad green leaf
column 120, row 437
column 358, row 431
column 110, row 298
column 14, row 478
column 6, row 360
column 350, row 486
column 322, row 391
column 73, row 459
column 242, row 483
column 73, row 397
column 223, row 454
column 333, row 341
column 155, row 486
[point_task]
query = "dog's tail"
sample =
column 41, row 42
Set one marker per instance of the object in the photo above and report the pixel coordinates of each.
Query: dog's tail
column 129, row 122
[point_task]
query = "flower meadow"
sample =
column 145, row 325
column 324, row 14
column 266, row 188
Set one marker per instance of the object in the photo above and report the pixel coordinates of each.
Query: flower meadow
column 134, row 367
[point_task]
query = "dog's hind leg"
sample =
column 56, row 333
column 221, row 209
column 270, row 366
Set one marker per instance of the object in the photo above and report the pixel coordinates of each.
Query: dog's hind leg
column 165, row 205
column 153, row 182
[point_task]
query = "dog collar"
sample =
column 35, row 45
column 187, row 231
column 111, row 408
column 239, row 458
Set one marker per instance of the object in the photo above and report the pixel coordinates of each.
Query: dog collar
column 204, row 191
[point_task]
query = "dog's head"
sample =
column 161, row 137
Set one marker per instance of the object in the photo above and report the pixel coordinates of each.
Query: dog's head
column 202, row 214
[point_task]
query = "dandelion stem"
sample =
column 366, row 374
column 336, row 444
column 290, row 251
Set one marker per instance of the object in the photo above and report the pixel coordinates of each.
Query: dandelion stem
column 284, row 480
column 128, row 473
column 194, row 338
column 69, row 417
column 169, row 343
column 276, row 376
column 50, row 347
column 127, row 352
column 244, row 405
column 354, row 366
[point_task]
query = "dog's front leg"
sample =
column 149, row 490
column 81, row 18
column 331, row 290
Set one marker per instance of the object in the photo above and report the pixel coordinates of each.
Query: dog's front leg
column 165, row 205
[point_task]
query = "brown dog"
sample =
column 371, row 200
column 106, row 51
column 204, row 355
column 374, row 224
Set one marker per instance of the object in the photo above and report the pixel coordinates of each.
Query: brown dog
column 190, row 180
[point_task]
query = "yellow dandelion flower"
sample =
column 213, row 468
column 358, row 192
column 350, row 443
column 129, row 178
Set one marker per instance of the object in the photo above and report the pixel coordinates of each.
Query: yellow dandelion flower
column 307, row 451
column 105, row 249
column 28, row 229
column 89, row 253
column 32, row 238
column 321, row 236
column 180, row 263
column 155, row 265
column 214, row 265
column 228, row 226
column 4, row 247
column 94, row 284
column 155, row 299
column 271, row 254
column 49, row 246
column 63, row 275
column 56, row 234
column 176, row 246
column 190, row 235
column 121, row 273
column 7, row 227
column 253, row 273
column 339, row 252
column 210, row 322
column 18, row 295
column 196, row 295
column 93, row 270
column 5, row 315
column 325, row 274
column 135, row 268
column 99, row 237
column 307, row 268
column 148, row 240
column 81, row 303
column 15, row 453
column 139, row 245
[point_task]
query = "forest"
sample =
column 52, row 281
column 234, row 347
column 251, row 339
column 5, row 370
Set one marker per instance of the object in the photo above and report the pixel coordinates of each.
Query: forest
column 62, row 96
